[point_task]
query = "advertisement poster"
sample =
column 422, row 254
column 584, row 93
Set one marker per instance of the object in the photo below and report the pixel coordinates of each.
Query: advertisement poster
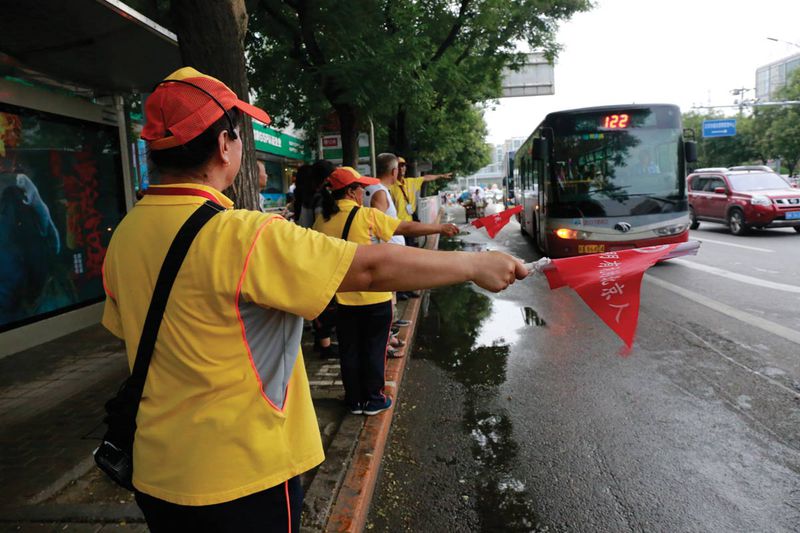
column 61, row 197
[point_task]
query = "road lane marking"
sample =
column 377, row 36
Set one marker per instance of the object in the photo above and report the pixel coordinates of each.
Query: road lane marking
column 785, row 287
column 736, row 245
column 767, row 325
column 737, row 363
column 766, row 271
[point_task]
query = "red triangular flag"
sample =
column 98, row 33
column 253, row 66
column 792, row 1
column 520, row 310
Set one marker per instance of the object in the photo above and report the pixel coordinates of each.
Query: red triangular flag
column 494, row 223
column 609, row 283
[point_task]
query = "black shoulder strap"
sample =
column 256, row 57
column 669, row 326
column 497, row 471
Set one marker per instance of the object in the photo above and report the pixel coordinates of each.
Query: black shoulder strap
column 166, row 277
column 350, row 217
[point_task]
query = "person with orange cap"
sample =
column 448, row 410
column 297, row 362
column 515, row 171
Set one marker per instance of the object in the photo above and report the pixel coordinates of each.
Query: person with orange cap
column 364, row 319
column 225, row 424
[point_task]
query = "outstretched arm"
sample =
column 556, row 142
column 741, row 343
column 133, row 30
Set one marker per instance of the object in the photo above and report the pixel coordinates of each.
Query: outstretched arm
column 434, row 177
column 401, row 268
column 418, row 229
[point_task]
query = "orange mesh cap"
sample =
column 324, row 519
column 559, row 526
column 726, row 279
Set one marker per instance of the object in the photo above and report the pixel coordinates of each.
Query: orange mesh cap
column 344, row 176
column 175, row 113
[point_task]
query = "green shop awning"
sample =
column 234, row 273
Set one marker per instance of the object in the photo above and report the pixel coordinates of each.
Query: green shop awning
column 278, row 143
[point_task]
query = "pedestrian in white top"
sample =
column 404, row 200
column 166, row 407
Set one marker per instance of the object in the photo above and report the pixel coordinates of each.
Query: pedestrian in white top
column 378, row 196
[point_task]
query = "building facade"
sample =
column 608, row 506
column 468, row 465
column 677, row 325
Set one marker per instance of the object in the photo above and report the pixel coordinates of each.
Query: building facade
column 771, row 78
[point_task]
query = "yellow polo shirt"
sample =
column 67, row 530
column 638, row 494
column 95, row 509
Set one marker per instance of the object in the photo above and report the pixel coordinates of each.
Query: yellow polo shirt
column 369, row 226
column 226, row 409
column 412, row 186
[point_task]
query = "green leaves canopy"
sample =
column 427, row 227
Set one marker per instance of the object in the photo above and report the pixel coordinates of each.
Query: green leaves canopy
column 417, row 66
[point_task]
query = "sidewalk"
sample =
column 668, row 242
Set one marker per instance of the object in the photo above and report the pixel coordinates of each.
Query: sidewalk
column 51, row 411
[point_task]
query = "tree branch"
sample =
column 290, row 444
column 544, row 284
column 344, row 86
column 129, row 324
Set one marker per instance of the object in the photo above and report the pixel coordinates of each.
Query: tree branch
column 454, row 30
column 388, row 20
column 307, row 32
column 284, row 22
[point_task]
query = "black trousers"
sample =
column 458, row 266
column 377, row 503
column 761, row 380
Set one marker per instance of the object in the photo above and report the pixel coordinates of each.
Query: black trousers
column 363, row 332
column 276, row 509
column 323, row 325
column 410, row 241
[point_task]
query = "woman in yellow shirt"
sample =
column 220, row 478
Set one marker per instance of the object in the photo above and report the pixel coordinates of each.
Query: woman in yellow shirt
column 364, row 319
column 225, row 424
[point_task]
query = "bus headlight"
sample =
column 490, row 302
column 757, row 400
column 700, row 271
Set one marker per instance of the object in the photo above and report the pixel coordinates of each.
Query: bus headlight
column 572, row 234
column 672, row 230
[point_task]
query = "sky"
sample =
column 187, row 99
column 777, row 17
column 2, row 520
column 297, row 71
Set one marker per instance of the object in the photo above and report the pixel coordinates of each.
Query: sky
column 685, row 52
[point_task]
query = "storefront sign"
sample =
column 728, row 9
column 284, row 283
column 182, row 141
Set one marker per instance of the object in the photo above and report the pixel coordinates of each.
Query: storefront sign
column 332, row 146
column 274, row 142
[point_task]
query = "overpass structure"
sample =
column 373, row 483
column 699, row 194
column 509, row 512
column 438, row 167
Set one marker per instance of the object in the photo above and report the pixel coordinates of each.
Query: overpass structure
column 534, row 78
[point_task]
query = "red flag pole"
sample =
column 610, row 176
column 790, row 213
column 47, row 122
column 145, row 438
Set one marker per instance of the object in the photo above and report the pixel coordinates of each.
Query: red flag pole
column 684, row 248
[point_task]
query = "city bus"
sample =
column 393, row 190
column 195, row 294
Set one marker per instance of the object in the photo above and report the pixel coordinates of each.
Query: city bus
column 601, row 179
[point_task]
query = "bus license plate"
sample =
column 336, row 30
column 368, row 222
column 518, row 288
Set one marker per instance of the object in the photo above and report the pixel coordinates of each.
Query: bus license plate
column 793, row 215
column 591, row 248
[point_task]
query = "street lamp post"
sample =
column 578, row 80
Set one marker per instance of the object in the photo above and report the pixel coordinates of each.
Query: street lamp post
column 782, row 41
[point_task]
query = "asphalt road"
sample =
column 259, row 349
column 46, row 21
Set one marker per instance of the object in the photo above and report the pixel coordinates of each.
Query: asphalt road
column 518, row 412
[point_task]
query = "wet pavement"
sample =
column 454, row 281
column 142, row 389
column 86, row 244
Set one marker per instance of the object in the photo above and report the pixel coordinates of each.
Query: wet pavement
column 519, row 414
column 467, row 336
column 51, row 410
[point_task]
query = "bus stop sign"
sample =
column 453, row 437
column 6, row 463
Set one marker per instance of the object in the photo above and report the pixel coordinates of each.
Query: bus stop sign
column 719, row 128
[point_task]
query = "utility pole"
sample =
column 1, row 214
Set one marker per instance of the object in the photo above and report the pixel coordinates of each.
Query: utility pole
column 740, row 93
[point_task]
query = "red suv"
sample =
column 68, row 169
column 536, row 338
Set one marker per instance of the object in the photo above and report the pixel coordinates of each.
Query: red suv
column 743, row 198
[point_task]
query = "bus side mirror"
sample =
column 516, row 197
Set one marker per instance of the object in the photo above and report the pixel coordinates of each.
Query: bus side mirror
column 690, row 150
column 540, row 149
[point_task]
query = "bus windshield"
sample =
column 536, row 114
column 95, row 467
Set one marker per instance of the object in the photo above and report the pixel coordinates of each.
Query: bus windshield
column 617, row 173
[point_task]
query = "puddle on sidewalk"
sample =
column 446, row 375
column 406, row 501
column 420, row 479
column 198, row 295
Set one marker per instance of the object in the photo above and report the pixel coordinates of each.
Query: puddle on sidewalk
column 470, row 335
column 532, row 318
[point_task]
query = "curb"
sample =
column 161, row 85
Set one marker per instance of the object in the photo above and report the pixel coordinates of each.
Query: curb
column 351, row 504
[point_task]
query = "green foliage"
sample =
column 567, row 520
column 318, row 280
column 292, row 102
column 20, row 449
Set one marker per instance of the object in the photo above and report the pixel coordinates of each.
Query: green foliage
column 722, row 151
column 780, row 126
column 418, row 67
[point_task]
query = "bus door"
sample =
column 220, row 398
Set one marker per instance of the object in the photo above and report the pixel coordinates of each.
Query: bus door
column 540, row 177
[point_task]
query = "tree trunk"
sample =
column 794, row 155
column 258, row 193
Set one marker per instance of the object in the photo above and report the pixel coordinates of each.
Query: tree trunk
column 211, row 36
column 398, row 139
column 348, row 129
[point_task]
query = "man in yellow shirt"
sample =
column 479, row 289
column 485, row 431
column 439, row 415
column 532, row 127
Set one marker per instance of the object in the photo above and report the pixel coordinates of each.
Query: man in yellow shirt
column 225, row 424
column 405, row 191
column 404, row 194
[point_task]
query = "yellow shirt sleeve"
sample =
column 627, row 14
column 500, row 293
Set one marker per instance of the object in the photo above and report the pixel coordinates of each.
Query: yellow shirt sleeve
column 111, row 319
column 294, row 269
column 382, row 225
